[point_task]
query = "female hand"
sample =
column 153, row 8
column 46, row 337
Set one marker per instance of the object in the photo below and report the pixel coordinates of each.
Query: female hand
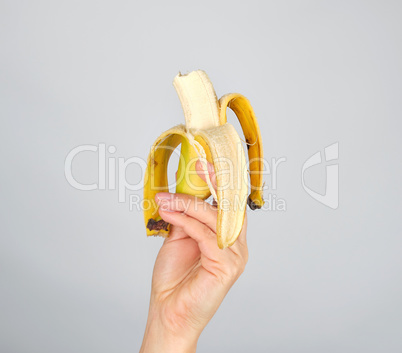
column 191, row 275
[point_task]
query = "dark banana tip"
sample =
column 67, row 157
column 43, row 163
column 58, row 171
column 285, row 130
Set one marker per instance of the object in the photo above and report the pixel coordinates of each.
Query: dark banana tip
column 157, row 225
column 252, row 204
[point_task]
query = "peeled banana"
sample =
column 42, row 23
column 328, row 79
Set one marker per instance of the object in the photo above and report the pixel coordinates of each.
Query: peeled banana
column 208, row 137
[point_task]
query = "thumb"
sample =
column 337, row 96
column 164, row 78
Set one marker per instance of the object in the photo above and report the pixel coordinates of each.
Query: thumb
column 202, row 173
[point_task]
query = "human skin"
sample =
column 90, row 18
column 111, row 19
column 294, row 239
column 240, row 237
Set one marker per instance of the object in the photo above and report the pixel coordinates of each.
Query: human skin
column 191, row 275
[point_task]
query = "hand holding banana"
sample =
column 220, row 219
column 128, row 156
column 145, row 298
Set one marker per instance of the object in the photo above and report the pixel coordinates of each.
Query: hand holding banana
column 191, row 275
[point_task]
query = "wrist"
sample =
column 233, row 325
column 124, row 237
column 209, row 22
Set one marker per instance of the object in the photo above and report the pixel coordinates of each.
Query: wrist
column 159, row 338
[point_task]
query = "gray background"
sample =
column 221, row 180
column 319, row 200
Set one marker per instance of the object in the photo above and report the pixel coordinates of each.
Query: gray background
column 75, row 266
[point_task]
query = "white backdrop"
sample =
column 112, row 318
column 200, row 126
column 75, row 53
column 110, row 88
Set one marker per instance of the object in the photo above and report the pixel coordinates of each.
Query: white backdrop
column 75, row 266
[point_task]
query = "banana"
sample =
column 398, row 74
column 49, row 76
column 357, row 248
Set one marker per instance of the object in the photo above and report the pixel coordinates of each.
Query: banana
column 207, row 136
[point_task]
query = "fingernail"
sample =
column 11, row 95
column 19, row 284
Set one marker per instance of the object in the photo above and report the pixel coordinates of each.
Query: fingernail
column 164, row 196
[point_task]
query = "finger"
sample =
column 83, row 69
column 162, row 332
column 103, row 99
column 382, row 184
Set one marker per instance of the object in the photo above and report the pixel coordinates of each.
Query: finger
column 202, row 173
column 230, row 261
column 189, row 205
column 176, row 233
column 240, row 245
column 242, row 236
column 203, row 235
